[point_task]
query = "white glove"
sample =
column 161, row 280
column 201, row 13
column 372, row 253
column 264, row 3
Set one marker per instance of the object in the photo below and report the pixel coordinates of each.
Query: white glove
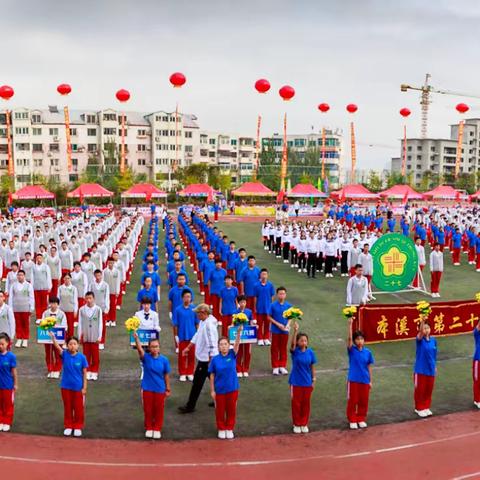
column 177, row 340
column 170, row 315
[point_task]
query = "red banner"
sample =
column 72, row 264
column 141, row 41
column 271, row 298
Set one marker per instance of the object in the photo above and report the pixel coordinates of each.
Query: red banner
column 11, row 164
column 387, row 323
column 91, row 210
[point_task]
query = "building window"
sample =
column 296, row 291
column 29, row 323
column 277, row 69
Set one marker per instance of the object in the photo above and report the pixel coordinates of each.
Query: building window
column 141, row 148
column 54, row 162
column 37, row 162
column 109, row 131
column 36, row 118
column 73, row 132
column 409, row 148
column 142, row 133
column 419, row 148
column 74, row 162
column 233, row 142
column 142, row 161
column 36, row 131
column 92, row 147
column 92, row 132
column 23, row 162
column 211, row 141
column 21, row 115
column 23, row 178
column 54, row 147
column 73, row 177
column 37, row 147
column 21, row 131
column 188, row 134
column 53, row 132
column 91, row 119
column 188, row 148
column 22, row 147
column 109, row 117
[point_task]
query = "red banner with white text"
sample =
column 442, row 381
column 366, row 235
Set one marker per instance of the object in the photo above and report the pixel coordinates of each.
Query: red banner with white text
column 387, row 323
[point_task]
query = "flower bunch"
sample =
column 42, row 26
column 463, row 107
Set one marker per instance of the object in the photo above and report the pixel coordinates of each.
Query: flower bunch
column 349, row 312
column 424, row 308
column 239, row 319
column 48, row 323
column 293, row 313
column 477, row 297
column 132, row 324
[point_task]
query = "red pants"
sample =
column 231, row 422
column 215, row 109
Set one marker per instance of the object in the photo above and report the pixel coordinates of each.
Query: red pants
column 477, row 266
column 226, row 322
column 263, row 330
column 41, row 302
column 215, row 303
column 186, row 365
column 456, row 255
column 206, row 289
column 226, row 410
column 52, row 359
column 7, row 400
column 423, row 391
column 81, row 302
column 251, row 305
column 244, row 356
column 54, row 290
column 278, row 350
column 301, row 405
column 369, row 278
column 357, row 401
column 111, row 316
column 215, row 216
column 471, row 254
column 153, row 408
column 70, row 322
column 22, row 325
column 64, row 272
column 435, row 282
column 415, row 280
column 73, row 409
column 91, row 351
column 476, row 380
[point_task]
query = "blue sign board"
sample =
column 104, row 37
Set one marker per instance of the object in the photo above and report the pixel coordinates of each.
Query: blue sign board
column 249, row 334
column 144, row 336
column 43, row 336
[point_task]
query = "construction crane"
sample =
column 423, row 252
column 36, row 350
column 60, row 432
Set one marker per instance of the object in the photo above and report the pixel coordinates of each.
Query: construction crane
column 425, row 99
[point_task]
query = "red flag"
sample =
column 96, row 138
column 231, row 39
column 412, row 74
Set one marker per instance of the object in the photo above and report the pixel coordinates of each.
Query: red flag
column 10, row 199
column 405, row 198
column 342, row 197
column 148, row 197
column 280, row 196
column 457, row 196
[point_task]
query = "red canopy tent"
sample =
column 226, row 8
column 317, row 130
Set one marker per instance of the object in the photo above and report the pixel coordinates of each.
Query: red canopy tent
column 354, row 192
column 33, row 192
column 198, row 190
column 399, row 192
column 253, row 189
column 144, row 190
column 443, row 192
column 90, row 190
column 305, row 190
column 475, row 196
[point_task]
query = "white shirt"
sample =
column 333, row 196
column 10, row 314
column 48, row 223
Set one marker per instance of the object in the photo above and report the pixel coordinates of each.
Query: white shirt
column 357, row 290
column 206, row 339
column 148, row 320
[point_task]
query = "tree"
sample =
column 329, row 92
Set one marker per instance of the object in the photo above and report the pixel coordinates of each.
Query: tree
column 425, row 183
column 395, row 178
column 466, row 181
column 269, row 167
column 374, row 181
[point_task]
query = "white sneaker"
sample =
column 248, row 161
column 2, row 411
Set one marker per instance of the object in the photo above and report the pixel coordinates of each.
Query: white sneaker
column 261, row 343
column 299, row 270
column 219, row 324
column 304, row 429
column 57, row 374
column 118, row 307
column 101, row 346
column 362, row 424
column 239, row 374
column 421, row 413
column 297, row 429
column 108, row 323
column 24, row 343
column 353, row 426
column 67, row 432
column 305, row 270
column 245, row 374
column 1, row 426
column 283, row 371
column 222, row 434
column 75, row 324
column 429, row 412
column 49, row 375
column 6, row 428
column 229, row 434
column 477, row 404
column 267, row 342
column 89, row 375
column 95, row 376
column 77, row 433
column 202, row 293
column 114, row 324
column 176, row 350
column 276, row 371
column 183, row 378
column 190, row 378
column 157, row 435
column 149, row 434
column 18, row 344
column 285, row 261
column 293, row 266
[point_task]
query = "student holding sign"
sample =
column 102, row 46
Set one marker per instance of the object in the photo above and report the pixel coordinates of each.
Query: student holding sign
column 224, row 385
column 52, row 357
column 73, row 385
column 155, row 386
column 8, row 383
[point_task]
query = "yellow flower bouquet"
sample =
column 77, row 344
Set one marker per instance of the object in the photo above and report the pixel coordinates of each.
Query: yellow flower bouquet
column 293, row 313
column 132, row 324
column 349, row 312
column 48, row 323
column 424, row 308
column 477, row 297
column 239, row 319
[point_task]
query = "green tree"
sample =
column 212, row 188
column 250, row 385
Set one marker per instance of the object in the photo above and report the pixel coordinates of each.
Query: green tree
column 466, row 181
column 269, row 167
column 426, row 181
column 395, row 178
column 374, row 181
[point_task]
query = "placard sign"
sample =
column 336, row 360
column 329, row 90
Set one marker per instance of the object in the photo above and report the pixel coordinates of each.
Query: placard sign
column 144, row 336
column 249, row 334
column 43, row 336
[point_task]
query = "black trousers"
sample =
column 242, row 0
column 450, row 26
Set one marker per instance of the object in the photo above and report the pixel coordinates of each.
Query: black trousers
column 278, row 246
column 311, row 264
column 201, row 374
column 286, row 249
column 344, row 262
column 293, row 256
column 329, row 262
column 320, row 262
column 271, row 243
column 302, row 261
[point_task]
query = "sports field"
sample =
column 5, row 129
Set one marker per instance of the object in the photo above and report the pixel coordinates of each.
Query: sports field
column 114, row 405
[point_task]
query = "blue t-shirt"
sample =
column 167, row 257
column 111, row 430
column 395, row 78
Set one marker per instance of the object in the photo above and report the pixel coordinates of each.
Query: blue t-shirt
column 277, row 310
column 358, row 361
column 154, row 371
column 264, row 294
column 156, row 280
column 185, row 319
column 7, row 361
column 250, row 277
column 426, row 356
column 247, row 312
column 72, row 370
column 301, row 374
column 151, row 293
column 476, row 336
column 224, row 367
column 217, row 280
column 229, row 297
column 175, row 295
column 207, row 267
column 172, row 277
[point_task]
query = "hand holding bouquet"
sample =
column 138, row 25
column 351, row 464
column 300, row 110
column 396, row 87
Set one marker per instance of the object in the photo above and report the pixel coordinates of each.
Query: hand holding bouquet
column 48, row 323
column 424, row 309
column 239, row 319
column 349, row 312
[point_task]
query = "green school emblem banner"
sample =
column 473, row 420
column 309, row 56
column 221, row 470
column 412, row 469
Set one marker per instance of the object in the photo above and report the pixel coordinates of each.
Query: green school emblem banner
column 395, row 262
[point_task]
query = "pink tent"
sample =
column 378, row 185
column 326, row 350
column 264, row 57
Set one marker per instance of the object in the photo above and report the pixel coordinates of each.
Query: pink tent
column 354, row 192
column 443, row 192
column 305, row 190
column 253, row 189
column 475, row 196
column 399, row 192
column 33, row 192
column 198, row 190
column 144, row 190
column 89, row 190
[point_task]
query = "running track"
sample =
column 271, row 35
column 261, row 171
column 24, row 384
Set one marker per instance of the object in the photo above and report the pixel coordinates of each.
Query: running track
column 445, row 447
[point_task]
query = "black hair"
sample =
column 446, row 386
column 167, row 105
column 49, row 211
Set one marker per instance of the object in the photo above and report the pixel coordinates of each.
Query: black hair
column 185, row 291
column 358, row 265
column 21, row 271
column 280, row 289
column 241, row 298
column 77, row 263
column 251, row 256
column 73, row 337
column 53, row 299
column 5, row 336
column 97, row 271
column 300, row 335
column 146, row 300
column 90, row 293
column 264, row 270
column 357, row 334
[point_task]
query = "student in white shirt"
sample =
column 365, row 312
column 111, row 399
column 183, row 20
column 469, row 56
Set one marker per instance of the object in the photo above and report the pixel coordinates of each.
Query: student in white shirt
column 7, row 318
column 353, row 255
column 421, row 260
column 357, row 288
column 436, row 270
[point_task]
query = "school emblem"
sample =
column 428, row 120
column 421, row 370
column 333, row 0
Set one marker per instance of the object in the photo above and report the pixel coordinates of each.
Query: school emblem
column 395, row 262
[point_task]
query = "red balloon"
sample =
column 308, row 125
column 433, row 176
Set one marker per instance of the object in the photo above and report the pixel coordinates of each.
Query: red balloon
column 177, row 79
column 405, row 112
column 324, row 107
column 351, row 108
column 462, row 108
column 262, row 85
column 6, row 92
column 64, row 89
column 287, row 92
column 123, row 95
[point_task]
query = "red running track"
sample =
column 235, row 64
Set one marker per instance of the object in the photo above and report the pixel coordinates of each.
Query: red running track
column 439, row 448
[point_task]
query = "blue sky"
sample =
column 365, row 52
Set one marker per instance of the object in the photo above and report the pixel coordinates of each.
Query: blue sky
column 337, row 52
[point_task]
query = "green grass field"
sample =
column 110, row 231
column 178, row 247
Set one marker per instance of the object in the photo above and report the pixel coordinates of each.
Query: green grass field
column 114, row 406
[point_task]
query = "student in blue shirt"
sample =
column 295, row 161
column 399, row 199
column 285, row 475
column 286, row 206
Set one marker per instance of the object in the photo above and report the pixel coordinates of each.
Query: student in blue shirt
column 360, row 361
column 232, row 257
column 172, row 276
column 224, row 385
column 73, row 385
column 264, row 291
column 280, row 328
column 301, row 380
column 155, row 386
column 228, row 304
column 248, row 279
column 240, row 263
column 476, row 366
column 148, row 291
column 8, row 383
column 207, row 266
column 156, row 280
column 456, row 247
column 244, row 355
column 425, row 370
column 216, row 281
